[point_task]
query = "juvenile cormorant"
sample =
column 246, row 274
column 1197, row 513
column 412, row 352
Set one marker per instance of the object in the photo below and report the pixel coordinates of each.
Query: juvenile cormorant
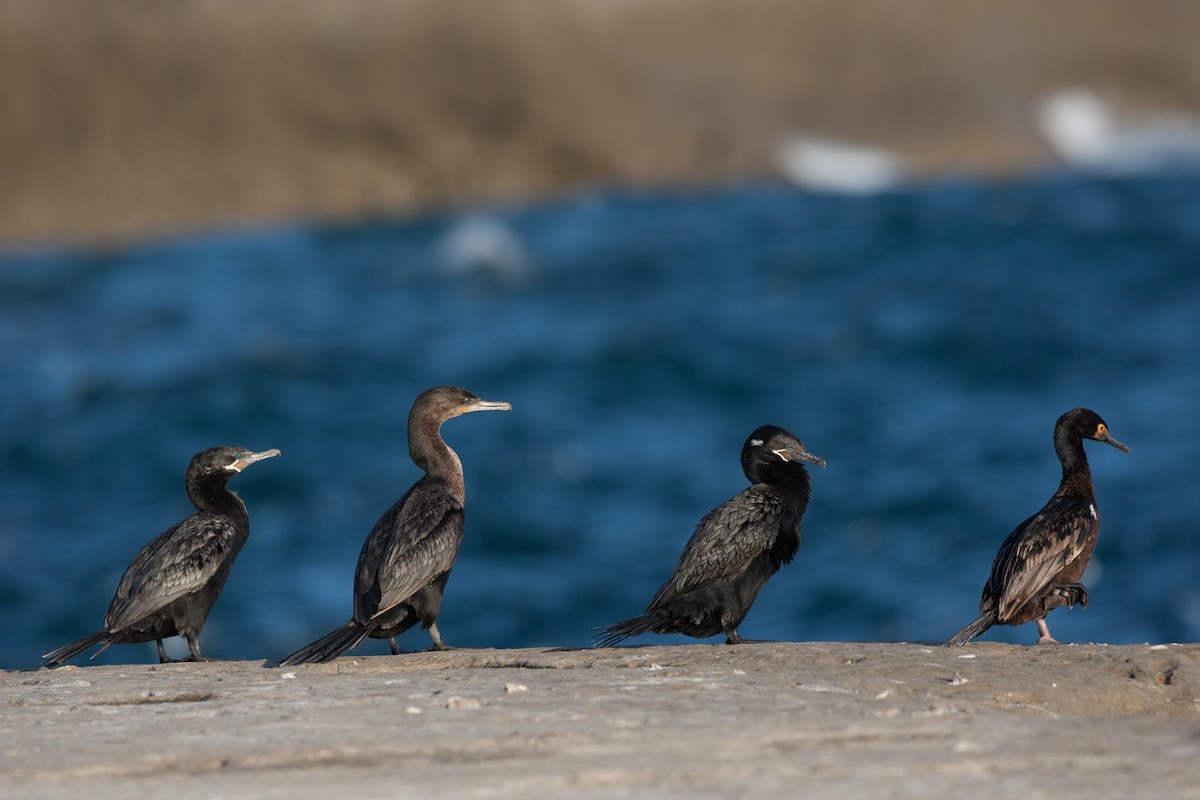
column 1040, row 563
column 736, row 547
column 406, row 560
column 174, row 580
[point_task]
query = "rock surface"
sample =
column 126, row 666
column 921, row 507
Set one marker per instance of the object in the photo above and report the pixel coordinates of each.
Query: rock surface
column 853, row 720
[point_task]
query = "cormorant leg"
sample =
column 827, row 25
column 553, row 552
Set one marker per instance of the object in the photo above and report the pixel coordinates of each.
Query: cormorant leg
column 395, row 646
column 734, row 637
column 162, row 654
column 194, row 648
column 1044, row 636
column 436, row 637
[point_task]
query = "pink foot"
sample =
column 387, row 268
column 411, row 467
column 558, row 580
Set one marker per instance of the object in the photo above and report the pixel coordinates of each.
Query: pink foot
column 1044, row 636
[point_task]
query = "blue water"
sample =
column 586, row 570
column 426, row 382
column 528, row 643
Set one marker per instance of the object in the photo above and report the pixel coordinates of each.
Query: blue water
column 923, row 341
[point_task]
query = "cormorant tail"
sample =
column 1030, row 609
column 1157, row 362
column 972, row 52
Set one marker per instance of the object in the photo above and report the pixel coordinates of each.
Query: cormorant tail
column 971, row 631
column 619, row 631
column 329, row 646
column 69, row 651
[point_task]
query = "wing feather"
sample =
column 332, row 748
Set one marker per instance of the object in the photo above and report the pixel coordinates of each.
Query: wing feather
column 416, row 540
column 724, row 543
column 1038, row 550
column 177, row 562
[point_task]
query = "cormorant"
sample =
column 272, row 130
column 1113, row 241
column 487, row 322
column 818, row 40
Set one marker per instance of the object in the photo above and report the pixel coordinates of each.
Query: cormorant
column 406, row 560
column 173, row 581
column 736, row 547
column 1040, row 563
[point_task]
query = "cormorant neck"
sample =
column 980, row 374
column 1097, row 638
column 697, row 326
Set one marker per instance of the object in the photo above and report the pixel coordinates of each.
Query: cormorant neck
column 1077, row 475
column 209, row 493
column 788, row 476
column 431, row 453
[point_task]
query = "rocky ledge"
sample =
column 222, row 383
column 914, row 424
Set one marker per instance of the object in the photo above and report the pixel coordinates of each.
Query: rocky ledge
column 837, row 719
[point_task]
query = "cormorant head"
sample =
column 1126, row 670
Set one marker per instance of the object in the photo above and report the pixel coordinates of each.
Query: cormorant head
column 1085, row 424
column 770, row 446
column 445, row 402
column 433, row 407
column 221, row 464
column 226, row 459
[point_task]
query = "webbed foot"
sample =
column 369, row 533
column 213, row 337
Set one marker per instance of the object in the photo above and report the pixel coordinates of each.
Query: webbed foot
column 1044, row 636
column 435, row 636
column 1072, row 593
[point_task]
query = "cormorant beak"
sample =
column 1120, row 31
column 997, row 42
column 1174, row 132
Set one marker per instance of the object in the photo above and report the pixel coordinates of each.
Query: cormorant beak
column 484, row 405
column 247, row 460
column 798, row 454
column 1102, row 436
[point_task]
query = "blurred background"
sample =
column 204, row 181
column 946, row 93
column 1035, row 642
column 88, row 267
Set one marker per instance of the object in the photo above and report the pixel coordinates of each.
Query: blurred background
column 913, row 233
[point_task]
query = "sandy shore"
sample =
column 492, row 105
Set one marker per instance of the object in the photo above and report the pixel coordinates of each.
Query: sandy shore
column 854, row 720
column 123, row 119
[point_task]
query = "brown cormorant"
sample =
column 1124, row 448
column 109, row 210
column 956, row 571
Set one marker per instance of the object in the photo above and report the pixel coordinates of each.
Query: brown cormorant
column 174, row 580
column 406, row 560
column 736, row 547
column 1040, row 563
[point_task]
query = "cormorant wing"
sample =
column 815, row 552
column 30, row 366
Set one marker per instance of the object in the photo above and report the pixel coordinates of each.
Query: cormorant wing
column 1039, row 549
column 414, row 542
column 178, row 561
column 726, row 540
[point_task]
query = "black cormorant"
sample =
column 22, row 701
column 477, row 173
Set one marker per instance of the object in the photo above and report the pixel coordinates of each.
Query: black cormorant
column 173, row 581
column 1040, row 563
column 736, row 547
column 406, row 560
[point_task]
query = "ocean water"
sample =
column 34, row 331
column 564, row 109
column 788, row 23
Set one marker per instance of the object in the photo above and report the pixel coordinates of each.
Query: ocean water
column 922, row 340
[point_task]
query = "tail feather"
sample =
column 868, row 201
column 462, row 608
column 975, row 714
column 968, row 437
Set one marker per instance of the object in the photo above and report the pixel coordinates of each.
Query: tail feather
column 329, row 646
column 617, row 632
column 971, row 631
column 69, row 651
